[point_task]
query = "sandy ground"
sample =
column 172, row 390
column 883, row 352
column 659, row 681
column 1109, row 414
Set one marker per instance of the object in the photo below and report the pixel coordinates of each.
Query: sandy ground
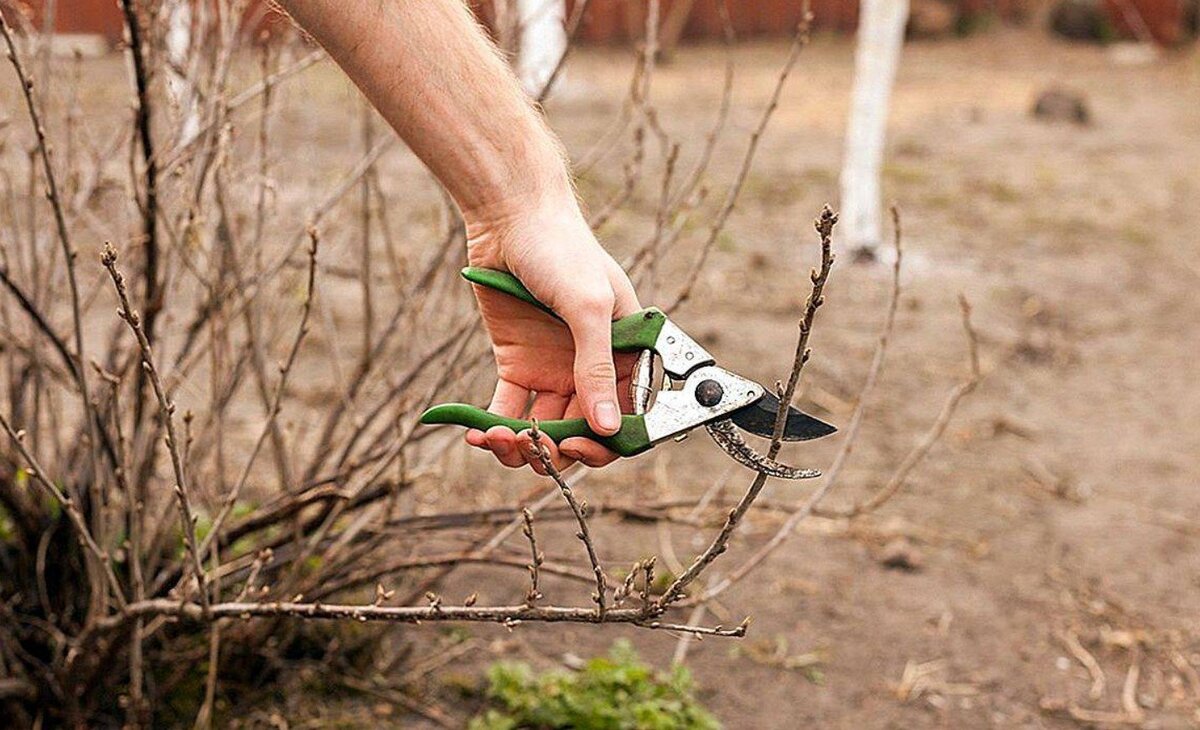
column 1062, row 499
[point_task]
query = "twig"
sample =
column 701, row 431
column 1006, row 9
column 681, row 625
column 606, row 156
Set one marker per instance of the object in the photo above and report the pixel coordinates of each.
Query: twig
column 135, row 511
column 624, row 590
column 685, row 641
column 144, row 123
column 276, row 399
column 17, row 689
column 808, row 506
column 543, row 455
column 204, row 716
column 1129, row 700
column 510, row 615
column 167, row 408
column 935, row 432
column 889, row 490
column 56, row 205
column 39, row 320
column 824, row 226
column 1071, row 641
column 698, row 631
column 647, row 584
column 536, row 558
column 799, row 41
column 1101, row 717
column 1187, row 670
column 263, row 86
column 69, row 254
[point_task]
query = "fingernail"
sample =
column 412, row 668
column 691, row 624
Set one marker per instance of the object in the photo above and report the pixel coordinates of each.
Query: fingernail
column 607, row 415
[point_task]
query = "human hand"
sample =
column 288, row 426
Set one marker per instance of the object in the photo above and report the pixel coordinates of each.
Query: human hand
column 568, row 369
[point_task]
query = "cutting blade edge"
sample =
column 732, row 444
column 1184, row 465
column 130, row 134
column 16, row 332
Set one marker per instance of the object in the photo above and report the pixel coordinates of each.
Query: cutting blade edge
column 759, row 419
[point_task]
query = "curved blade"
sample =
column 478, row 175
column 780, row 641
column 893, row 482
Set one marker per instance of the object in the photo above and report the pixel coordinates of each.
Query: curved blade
column 729, row 439
column 759, row 419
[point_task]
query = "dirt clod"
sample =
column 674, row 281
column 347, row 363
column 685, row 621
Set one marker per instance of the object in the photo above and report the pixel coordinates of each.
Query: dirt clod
column 1058, row 104
column 901, row 554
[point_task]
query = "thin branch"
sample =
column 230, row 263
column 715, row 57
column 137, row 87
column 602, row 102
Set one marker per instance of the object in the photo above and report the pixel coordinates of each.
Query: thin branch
column 276, row 399
column 69, row 254
column 507, row 615
column 931, row 437
column 824, row 226
column 685, row 642
column 39, row 320
column 788, row 528
column 263, row 86
column 151, row 300
column 799, row 41
column 1071, row 641
column 897, row 480
column 167, row 408
column 536, row 558
column 584, row 535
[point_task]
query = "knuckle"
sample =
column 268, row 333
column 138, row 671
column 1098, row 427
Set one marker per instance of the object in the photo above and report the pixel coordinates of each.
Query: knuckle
column 598, row 372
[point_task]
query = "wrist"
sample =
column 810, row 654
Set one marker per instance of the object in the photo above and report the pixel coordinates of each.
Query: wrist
column 523, row 210
column 505, row 195
column 521, row 228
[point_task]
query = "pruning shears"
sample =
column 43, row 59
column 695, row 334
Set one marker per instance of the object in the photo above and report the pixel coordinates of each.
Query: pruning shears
column 695, row 392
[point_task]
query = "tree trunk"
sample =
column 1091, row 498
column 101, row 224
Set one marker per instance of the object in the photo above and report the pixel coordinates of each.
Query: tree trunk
column 543, row 40
column 179, row 48
column 877, row 55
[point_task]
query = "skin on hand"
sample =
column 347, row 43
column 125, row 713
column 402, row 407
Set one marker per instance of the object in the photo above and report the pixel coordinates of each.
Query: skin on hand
column 547, row 369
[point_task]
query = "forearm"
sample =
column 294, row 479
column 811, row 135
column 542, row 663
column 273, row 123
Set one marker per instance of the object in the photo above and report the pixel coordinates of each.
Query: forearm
column 433, row 75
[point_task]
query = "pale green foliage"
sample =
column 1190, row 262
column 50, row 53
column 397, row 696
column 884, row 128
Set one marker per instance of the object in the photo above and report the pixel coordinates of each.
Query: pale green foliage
column 616, row 692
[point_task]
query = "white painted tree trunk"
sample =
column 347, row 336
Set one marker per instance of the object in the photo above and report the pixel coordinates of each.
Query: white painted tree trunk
column 542, row 41
column 183, row 92
column 876, row 57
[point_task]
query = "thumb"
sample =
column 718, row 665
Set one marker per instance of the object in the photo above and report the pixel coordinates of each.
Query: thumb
column 595, row 374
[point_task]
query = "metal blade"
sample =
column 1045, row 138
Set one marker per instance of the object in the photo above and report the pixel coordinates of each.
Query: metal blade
column 730, row 439
column 759, row 419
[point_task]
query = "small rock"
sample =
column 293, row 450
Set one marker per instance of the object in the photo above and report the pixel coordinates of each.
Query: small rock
column 864, row 255
column 1059, row 104
column 901, row 554
column 573, row 661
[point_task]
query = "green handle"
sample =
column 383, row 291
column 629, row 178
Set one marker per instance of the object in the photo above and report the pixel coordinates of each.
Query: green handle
column 632, row 439
column 637, row 331
column 504, row 282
